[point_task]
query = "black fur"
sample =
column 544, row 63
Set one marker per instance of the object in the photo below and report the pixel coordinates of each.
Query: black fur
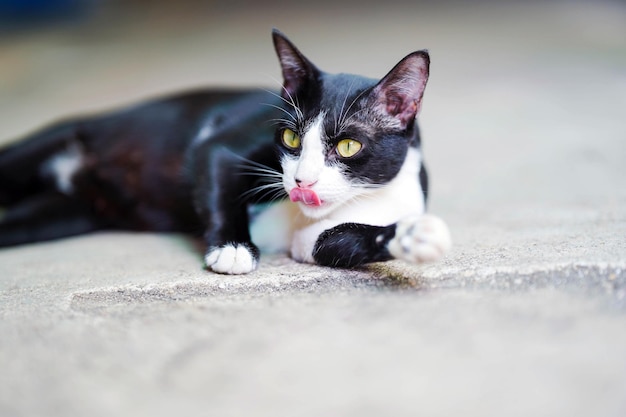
column 141, row 171
column 352, row 244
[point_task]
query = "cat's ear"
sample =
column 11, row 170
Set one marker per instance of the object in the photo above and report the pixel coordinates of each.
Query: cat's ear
column 298, row 72
column 399, row 94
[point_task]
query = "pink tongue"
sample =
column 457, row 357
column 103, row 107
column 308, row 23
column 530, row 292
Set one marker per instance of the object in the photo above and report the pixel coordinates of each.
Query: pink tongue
column 305, row 195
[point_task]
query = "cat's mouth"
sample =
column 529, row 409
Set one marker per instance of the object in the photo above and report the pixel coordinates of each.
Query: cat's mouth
column 306, row 196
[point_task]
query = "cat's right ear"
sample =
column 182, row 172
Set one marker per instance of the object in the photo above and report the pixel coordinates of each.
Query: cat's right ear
column 298, row 72
column 399, row 94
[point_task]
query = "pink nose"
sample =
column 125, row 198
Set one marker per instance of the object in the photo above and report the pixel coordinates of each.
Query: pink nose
column 305, row 184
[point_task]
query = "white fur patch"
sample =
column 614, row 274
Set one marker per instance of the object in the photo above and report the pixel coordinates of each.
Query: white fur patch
column 272, row 229
column 312, row 161
column 387, row 204
column 420, row 239
column 63, row 166
column 230, row 259
column 310, row 167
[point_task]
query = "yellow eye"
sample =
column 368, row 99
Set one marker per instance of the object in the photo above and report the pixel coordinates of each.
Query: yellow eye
column 290, row 139
column 348, row 147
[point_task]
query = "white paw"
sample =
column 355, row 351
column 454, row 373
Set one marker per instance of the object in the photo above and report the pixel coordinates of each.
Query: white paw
column 420, row 239
column 230, row 259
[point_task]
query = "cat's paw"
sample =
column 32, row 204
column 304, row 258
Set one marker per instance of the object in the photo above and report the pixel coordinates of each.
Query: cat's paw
column 232, row 259
column 420, row 239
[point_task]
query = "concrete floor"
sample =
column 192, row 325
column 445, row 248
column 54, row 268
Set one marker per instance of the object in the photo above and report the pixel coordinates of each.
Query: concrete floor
column 525, row 137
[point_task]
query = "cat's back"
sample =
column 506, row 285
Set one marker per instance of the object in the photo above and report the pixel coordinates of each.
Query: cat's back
column 173, row 119
column 134, row 162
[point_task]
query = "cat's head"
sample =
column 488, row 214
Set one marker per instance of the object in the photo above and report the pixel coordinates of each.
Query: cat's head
column 344, row 135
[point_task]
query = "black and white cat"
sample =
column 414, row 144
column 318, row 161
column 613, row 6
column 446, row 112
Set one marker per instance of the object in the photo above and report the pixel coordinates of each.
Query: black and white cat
column 344, row 149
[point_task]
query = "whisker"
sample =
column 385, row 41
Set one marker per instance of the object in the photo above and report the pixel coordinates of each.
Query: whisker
column 289, row 123
column 270, row 181
column 343, row 123
column 264, row 187
column 250, row 167
column 281, row 109
column 251, row 162
column 277, row 195
column 369, row 186
column 290, row 101
column 252, row 170
column 343, row 105
column 273, row 191
column 352, row 116
column 295, row 104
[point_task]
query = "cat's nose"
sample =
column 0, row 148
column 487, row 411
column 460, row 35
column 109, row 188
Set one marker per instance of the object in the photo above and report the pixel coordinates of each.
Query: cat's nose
column 305, row 184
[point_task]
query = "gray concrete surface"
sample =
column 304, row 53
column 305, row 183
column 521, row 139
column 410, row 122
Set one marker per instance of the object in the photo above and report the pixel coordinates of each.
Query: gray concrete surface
column 525, row 136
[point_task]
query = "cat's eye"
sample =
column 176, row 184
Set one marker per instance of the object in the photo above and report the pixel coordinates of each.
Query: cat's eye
column 348, row 147
column 290, row 139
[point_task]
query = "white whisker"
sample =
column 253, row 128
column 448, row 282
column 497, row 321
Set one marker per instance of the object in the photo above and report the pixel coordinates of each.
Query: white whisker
column 252, row 170
column 343, row 105
column 272, row 192
column 349, row 119
column 295, row 104
column 345, row 120
column 270, row 180
column 291, row 102
column 282, row 122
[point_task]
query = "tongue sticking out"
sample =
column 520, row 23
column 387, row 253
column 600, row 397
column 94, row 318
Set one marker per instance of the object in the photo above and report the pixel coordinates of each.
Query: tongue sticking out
column 305, row 195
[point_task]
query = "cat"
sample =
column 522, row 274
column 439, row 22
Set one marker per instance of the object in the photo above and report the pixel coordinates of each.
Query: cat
column 328, row 169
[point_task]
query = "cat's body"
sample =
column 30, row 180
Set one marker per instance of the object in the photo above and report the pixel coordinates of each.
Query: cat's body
column 343, row 148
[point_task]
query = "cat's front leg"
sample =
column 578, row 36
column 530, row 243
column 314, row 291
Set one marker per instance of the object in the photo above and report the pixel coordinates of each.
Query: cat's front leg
column 415, row 239
column 229, row 248
column 352, row 244
column 219, row 203
column 232, row 258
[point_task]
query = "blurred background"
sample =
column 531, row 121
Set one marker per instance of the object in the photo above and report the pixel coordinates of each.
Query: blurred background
column 525, row 103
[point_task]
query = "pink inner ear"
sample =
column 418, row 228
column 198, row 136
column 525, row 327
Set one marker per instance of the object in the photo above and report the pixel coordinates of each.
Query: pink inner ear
column 405, row 111
column 394, row 105
column 399, row 93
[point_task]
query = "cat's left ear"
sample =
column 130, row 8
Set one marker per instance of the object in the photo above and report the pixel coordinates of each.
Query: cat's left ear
column 399, row 94
column 298, row 72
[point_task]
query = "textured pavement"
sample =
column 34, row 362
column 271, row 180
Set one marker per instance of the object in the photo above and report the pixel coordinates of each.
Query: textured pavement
column 525, row 137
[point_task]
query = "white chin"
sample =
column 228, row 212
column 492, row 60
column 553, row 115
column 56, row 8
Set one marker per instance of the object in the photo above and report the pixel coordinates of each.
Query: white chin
column 316, row 212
